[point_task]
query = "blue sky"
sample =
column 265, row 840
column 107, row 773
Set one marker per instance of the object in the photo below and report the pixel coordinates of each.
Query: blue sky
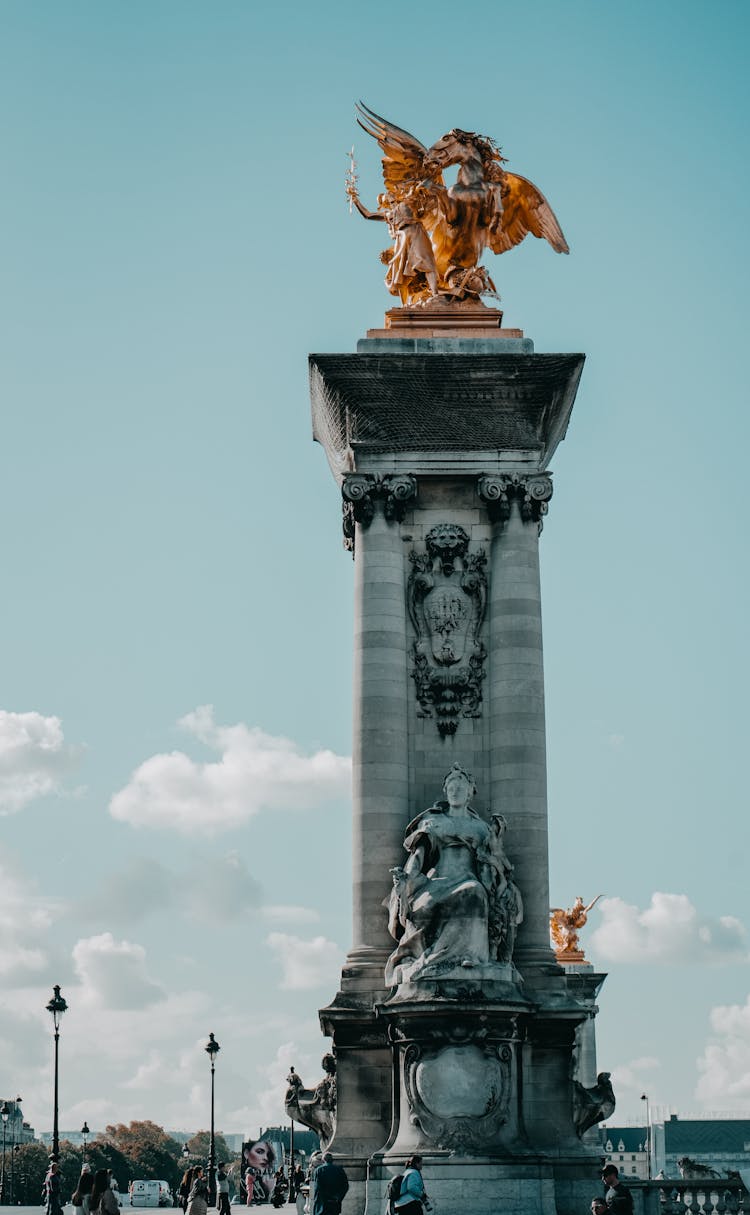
column 175, row 239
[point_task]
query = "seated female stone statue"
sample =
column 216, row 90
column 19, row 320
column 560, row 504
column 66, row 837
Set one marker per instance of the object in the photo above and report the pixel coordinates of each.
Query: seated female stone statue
column 454, row 903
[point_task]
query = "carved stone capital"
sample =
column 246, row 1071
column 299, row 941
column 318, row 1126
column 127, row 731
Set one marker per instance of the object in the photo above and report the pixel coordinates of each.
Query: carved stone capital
column 361, row 492
column 532, row 491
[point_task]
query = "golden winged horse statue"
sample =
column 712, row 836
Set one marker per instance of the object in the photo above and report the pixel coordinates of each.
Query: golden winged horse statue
column 439, row 233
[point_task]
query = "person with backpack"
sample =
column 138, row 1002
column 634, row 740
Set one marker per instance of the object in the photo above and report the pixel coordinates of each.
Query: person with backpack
column 411, row 1198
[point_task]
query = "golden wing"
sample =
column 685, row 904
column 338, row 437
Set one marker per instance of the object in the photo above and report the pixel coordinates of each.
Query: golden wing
column 525, row 209
column 403, row 162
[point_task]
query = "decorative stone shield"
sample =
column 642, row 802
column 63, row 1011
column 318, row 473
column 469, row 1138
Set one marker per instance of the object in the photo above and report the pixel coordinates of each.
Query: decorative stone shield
column 458, row 1094
column 447, row 599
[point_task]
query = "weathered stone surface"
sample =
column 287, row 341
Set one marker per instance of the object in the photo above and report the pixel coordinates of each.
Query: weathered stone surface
column 498, row 409
column 441, row 448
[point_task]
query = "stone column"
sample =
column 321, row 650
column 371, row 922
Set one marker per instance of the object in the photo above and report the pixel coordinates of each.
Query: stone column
column 373, row 508
column 518, row 766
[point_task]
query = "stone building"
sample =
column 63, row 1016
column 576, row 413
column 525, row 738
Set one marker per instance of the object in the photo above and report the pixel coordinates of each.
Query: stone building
column 627, row 1147
column 720, row 1143
column 16, row 1130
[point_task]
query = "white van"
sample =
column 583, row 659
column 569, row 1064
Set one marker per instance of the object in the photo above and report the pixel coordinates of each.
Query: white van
column 144, row 1193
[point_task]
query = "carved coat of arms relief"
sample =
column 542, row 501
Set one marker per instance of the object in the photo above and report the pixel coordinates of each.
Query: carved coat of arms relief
column 447, row 601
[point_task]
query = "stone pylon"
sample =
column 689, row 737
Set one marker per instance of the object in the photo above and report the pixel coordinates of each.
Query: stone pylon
column 440, row 441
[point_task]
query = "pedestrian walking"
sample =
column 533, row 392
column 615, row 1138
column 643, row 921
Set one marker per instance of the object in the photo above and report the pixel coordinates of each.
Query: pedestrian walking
column 315, row 1161
column 331, row 1184
column 617, row 1196
column 412, row 1199
column 185, row 1184
column 82, row 1194
column 222, row 1189
column 103, row 1201
column 198, row 1196
column 298, row 1179
column 52, row 1189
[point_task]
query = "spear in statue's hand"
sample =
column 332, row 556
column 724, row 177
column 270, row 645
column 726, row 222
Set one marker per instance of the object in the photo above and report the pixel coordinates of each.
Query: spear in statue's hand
column 351, row 178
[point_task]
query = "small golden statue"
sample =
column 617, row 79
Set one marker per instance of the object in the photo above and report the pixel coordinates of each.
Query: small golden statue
column 438, row 232
column 564, row 924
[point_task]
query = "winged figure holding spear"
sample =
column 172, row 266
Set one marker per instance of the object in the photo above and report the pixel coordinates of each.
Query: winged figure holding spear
column 439, row 233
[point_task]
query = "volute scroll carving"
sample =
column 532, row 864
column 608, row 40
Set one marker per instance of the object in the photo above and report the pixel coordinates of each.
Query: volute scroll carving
column 361, row 491
column 532, row 492
column 447, row 601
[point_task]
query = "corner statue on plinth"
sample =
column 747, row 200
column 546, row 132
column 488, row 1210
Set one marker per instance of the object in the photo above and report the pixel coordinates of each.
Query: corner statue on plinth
column 316, row 1107
column 454, row 905
column 564, row 924
column 440, row 232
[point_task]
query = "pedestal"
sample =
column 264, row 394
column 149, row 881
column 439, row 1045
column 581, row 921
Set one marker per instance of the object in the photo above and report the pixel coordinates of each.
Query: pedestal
column 440, row 442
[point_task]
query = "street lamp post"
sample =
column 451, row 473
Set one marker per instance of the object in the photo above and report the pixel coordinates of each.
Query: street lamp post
column 292, row 1195
column 56, row 1006
column 4, row 1114
column 14, row 1147
column 85, row 1132
column 212, row 1048
column 644, row 1097
column 16, row 1151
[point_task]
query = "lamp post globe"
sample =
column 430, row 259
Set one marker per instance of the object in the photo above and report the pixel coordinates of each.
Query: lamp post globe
column 212, row 1048
column 5, row 1115
column 85, row 1132
column 56, row 1007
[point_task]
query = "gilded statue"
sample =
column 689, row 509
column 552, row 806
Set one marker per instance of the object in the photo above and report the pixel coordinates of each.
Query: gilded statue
column 564, row 924
column 454, row 906
column 439, row 233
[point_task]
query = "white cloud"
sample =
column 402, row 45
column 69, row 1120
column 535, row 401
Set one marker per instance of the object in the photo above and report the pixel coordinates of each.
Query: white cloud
column 668, row 930
column 255, row 771
column 216, row 887
column 635, row 1073
column 306, row 964
column 34, row 758
column 268, row 1103
column 724, row 1066
column 289, row 913
column 25, row 918
column 222, row 890
column 113, row 973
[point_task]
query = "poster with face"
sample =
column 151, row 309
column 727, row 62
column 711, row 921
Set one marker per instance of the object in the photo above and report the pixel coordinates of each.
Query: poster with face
column 258, row 1159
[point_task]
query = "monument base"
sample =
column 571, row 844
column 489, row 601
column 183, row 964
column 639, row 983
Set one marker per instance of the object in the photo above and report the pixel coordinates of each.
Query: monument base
column 458, row 1185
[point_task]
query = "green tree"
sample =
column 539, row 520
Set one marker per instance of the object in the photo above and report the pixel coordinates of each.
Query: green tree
column 71, row 1159
column 31, row 1164
column 199, row 1146
column 102, row 1154
column 150, row 1152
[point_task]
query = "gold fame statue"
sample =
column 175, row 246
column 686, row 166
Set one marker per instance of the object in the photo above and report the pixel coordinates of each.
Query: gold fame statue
column 440, row 232
column 564, row 924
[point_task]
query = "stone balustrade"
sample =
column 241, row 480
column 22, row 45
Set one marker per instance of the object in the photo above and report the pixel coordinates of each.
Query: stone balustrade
column 677, row 1196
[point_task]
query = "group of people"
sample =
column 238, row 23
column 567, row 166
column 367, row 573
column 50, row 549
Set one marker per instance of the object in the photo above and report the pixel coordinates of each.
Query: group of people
column 326, row 1181
column 193, row 1190
column 92, row 1196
